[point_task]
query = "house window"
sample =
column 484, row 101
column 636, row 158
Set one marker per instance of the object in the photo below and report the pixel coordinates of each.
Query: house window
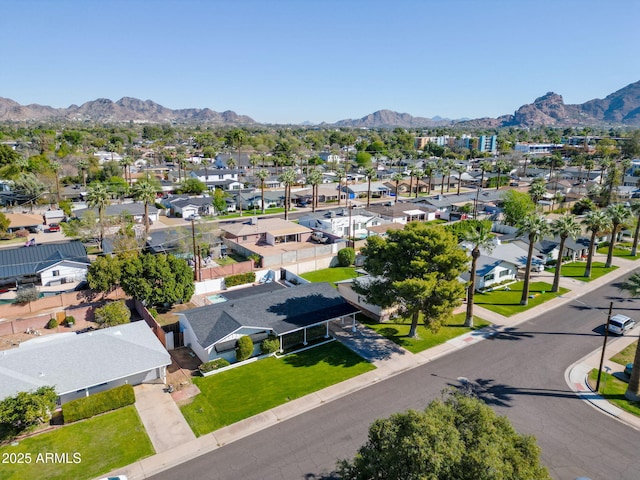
column 55, row 273
column 244, row 238
column 489, row 277
column 505, row 273
column 220, row 177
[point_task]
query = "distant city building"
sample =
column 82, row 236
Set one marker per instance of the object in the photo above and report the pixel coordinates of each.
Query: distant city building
column 488, row 144
column 537, row 148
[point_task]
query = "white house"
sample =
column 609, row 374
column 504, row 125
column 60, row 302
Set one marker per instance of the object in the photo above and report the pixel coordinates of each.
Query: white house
column 491, row 271
column 342, row 222
column 227, row 179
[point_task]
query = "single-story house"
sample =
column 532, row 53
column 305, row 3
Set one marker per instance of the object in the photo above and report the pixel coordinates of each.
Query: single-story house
column 358, row 190
column 295, row 315
column 491, row 271
column 26, row 221
column 47, row 264
column 78, row 365
column 345, row 289
column 135, row 209
column 403, row 212
column 53, row 216
column 269, row 231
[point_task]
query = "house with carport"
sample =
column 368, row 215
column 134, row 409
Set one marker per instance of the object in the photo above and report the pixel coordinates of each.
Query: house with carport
column 491, row 271
column 297, row 316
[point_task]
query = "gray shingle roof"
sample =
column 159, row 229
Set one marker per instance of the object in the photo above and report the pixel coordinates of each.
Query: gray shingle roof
column 283, row 311
column 73, row 362
column 15, row 262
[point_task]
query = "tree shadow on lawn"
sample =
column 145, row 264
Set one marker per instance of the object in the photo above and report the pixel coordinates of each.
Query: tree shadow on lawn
column 334, row 354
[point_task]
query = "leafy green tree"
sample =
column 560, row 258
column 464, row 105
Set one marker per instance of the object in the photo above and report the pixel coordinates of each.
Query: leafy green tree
column 456, row 438
column 104, row 273
column 346, row 256
column 219, row 201
column 618, row 214
column 597, row 222
column 417, row 270
column 565, row 227
column 27, row 295
column 26, row 410
column 112, row 314
column 4, row 223
column 535, row 227
column 157, row 279
column 516, row 206
column 480, row 238
column 363, row 159
column 8, row 155
column 192, row 186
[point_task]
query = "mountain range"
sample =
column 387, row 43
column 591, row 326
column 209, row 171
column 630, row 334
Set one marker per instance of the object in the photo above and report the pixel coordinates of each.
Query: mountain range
column 621, row 108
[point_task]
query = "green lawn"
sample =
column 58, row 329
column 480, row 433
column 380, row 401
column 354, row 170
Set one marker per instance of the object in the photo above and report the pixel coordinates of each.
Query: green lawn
column 236, row 394
column 576, row 270
column 330, row 274
column 627, row 355
column 621, row 249
column 13, row 241
column 507, row 303
column 613, row 390
column 397, row 331
column 103, row 443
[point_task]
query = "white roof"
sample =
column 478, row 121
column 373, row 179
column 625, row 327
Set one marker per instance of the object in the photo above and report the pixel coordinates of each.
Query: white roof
column 72, row 362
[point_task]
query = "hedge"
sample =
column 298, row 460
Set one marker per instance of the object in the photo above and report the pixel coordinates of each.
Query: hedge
column 239, row 279
column 244, row 349
column 213, row 365
column 346, row 256
column 98, row 403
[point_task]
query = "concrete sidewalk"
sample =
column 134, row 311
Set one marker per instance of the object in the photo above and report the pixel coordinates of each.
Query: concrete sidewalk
column 391, row 360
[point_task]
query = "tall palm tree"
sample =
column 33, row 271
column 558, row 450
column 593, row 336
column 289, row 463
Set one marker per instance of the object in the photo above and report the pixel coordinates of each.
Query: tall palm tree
column 450, row 165
column 481, row 238
column 288, row 177
column 459, row 169
column 126, row 163
column 501, row 166
column 98, row 196
column 537, row 190
column 444, row 171
column 83, row 164
column 231, row 163
column 485, row 166
column 237, row 138
column 419, row 173
column 596, row 222
column 341, row 174
column 262, row 175
column 370, row 173
column 635, row 210
column 397, row 178
column 535, row 227
column 145, row 192
column 618, row 214
column 429, row 168
column 632, row 286
column 55, row 167
column 314, row 178
column 565, row 227
column 412, row 173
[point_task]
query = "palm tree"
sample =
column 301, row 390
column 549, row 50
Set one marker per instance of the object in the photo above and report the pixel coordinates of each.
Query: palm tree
column 98, row 196
column 535, row 227
column 419, row 173
column 589, row 163
column 429, row 168
column 596, row 222
column 253, row 161
column 340, row 175
column 412, row 173
column 565, row 226
column 449, row 166
column 632, row 286
column 459, row 169
column 262, row 175
column 537, row 190
column 288, row 177
column 370, row 173
column 397, row 178
column 145, row 192
column 484, row 167
column 444, row 171
column 314, row 178
column 83, row 164
column 501, row 166
column 618, row 214
column 237, row 138
column 481, row 238
column 635, row 210
column 231, row 163
column 126, row 163
column 55, row 167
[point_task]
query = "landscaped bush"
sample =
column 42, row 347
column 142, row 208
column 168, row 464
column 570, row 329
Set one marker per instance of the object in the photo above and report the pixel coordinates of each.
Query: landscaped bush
column 22, row 233
column 239, row 279
column 98, row 403
column 69, row 321
column 213, row 365
column 244, row 349
column 27, row 295
column 270, row 345
column 346, row 257
column 53, row 323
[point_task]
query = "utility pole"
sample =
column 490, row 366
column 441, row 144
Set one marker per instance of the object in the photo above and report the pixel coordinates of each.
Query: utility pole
column 195, row 259
column 606, row 335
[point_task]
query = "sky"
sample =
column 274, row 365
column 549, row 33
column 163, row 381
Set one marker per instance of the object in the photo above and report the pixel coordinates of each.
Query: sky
column 294, row 61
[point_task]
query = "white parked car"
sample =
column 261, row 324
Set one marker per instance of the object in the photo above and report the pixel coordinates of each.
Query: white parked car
column 193, row 216
column 319, row 237
column 619, row 324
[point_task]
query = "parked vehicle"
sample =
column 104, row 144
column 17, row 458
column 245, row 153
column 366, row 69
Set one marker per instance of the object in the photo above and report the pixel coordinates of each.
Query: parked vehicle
column 619, row 324
column 54, row 227
column 193, row 216
column 319, row 237
column 628, row 368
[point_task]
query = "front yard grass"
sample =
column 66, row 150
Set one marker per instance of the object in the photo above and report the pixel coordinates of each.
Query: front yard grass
column 620, row 249
column 103, row 443
column 334, row 274
column 236, row 394
column 613, row 390
column 576, row 270
column 507, row 302
column 397, row 331
column 627, row 355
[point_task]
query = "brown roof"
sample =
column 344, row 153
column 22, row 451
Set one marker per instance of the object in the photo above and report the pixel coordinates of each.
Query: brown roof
column 274, row 226
column 17, row 220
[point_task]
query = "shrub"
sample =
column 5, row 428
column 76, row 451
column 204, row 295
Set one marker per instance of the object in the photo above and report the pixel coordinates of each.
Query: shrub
column 239, row 279
column 69, row 320
column 98, row 403
column 22, row 233
column 213, row 365
column 244, row 349
column 346, row 257
column 53, row 323
column 27, row 295
column 113, row 313
column 270, row 345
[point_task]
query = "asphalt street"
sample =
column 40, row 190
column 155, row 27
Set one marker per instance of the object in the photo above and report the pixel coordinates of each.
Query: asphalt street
column 519, row 372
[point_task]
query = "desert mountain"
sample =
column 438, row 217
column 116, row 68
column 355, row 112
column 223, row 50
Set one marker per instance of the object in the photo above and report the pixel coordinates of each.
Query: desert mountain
column 126, row 109
column 391, row 119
